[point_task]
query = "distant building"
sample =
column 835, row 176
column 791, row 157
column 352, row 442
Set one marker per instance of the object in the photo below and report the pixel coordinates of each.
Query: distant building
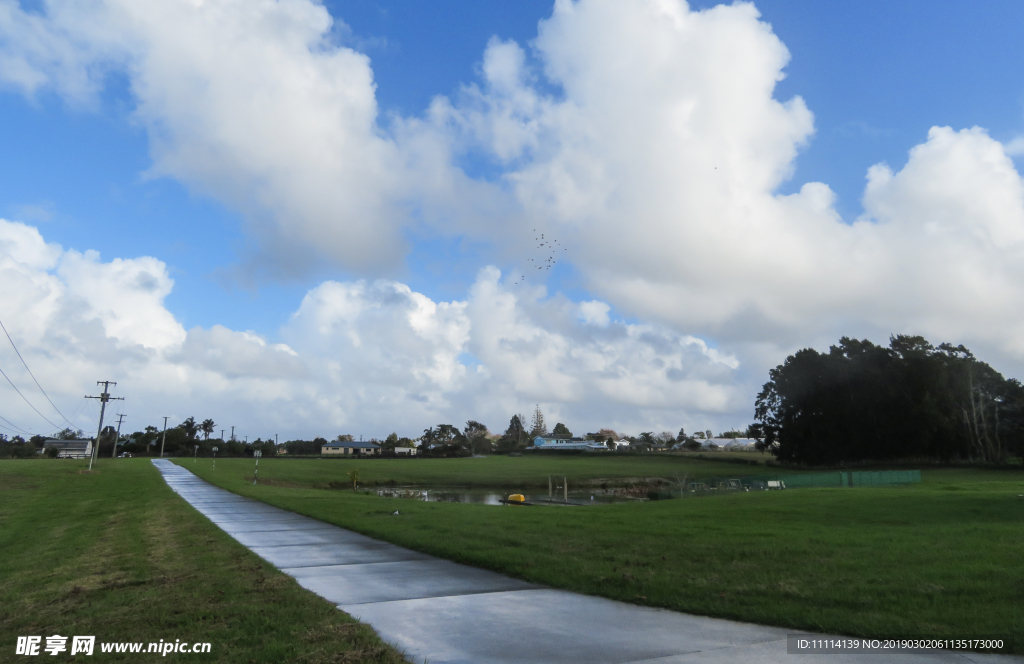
column 731, row 443
column 69, row 449
column 407, row 451
column 548, row 443
column 351, row 448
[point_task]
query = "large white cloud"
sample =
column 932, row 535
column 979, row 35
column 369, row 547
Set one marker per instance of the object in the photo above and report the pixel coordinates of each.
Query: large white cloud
column 360, row 357
column 248, row 101
column 659, row 155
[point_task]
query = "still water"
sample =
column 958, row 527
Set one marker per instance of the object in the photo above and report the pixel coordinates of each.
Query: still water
column 495, row 496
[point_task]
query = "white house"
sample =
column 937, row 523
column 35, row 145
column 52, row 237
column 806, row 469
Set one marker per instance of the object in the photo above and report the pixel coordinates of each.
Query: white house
column 69, row 449
column 348, row 447
column 734, row 443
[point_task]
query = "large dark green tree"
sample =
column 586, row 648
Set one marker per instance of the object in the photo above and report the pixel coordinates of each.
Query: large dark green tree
column 476, row 434
column 912, row 400
column 515, row 437
column 561, row 431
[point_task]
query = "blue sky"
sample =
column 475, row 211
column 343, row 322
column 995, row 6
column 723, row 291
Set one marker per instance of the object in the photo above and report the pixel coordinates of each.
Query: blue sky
column 876, row 77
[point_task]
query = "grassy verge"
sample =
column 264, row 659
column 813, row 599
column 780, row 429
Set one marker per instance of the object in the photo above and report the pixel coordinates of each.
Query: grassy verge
column 117, row 555
column 940, row 558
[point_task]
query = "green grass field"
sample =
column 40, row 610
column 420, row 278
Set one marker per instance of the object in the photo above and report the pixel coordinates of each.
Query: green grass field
column 940, row 558
column 117, row 555
column 499, row 471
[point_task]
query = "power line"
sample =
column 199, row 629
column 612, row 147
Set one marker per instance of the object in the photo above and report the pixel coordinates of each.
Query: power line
column 14, row 427
column 33, row 375
column 78, row 411
column 27, row 401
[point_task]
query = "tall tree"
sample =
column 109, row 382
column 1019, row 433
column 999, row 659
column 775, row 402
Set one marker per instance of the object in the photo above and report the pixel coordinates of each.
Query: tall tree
column 446, row 434
column 537, row 426
column 514, row 437
column 190, row 428
column 427, row 439
column 477, row 436
column 207, row 428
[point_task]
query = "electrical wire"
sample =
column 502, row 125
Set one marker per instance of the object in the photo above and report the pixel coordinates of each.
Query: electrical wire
column 27, row 401
column 79, row 411
column 13, row 427
column 33, row 376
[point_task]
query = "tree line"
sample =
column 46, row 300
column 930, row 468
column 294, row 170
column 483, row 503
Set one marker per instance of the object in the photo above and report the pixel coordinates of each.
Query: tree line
column 442, row 440
column 911, row 400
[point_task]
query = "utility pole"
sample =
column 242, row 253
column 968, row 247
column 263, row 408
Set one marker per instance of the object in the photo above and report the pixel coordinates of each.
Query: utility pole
column 232, row 432
column 104, row 397
column 120, row 418
column 222, row 435
column 164, row 439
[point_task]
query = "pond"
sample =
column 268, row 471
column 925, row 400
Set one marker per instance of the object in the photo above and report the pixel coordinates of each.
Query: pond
column 486, row 496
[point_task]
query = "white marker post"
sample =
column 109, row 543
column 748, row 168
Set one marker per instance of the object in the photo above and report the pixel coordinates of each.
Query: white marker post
column 256, row 454
column 195, row 454
column 215, row 458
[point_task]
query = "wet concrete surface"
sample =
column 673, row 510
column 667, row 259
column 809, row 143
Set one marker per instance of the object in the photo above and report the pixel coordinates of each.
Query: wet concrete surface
column 445, row 613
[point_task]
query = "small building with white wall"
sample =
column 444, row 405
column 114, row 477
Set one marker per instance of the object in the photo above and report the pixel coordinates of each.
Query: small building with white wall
column 546, row 443
column 350, row 448
column 80, row 448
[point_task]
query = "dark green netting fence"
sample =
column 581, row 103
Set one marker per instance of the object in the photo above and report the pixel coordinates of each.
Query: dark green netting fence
column 837, row 479
column 849, row 479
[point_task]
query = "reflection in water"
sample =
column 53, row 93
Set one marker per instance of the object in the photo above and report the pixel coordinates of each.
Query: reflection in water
column 495, row 496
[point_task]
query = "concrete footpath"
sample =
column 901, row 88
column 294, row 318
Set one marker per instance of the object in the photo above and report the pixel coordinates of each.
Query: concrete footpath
column 441, row 612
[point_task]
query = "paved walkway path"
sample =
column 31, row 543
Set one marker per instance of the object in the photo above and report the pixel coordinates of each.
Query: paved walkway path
column 442, row 612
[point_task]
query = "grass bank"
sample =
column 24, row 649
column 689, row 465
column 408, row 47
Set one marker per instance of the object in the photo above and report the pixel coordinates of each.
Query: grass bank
column 117, row 555
column 939, row 558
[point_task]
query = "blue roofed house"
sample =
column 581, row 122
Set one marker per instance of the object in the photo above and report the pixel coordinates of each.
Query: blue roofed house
column 551, row 443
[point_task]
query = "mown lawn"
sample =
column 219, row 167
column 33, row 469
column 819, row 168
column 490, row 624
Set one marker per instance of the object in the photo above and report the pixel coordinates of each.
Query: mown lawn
column 117, row 555
column 940, row 558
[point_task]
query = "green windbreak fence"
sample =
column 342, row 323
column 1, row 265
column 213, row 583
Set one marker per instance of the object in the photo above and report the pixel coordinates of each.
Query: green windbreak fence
column 837, row 479
column 848, row 479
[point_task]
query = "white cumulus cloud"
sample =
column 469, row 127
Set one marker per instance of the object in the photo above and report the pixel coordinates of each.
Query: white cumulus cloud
column 360, row 357
column 658, row 157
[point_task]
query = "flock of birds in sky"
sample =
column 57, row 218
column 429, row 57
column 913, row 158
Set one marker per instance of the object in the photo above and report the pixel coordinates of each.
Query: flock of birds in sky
column 549, row 247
